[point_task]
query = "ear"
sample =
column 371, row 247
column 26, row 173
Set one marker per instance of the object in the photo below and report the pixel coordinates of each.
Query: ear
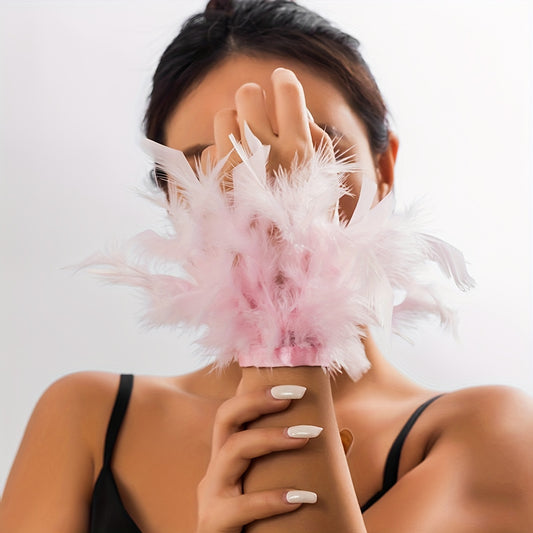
column 385, row 166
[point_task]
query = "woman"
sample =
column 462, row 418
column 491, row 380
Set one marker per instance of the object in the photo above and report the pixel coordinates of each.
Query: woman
column 179, row 448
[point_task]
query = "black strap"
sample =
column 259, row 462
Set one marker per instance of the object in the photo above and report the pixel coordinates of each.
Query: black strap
column 390, row 474
column 119, row 410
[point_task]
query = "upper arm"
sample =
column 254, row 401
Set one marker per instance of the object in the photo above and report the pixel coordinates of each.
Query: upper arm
column 478, row 476
column 50, row 483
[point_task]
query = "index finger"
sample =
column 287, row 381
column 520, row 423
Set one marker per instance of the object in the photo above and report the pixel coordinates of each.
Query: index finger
column 290, row 107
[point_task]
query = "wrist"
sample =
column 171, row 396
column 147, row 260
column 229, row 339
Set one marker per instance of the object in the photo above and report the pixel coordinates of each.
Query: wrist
column 283, row 356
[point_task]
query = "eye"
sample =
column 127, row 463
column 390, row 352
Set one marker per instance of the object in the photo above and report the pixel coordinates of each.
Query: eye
column 158, row 177
column 194, row 153
column 340, row 145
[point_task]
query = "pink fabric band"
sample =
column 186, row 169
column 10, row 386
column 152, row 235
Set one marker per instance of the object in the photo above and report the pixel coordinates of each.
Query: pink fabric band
column 283, row 356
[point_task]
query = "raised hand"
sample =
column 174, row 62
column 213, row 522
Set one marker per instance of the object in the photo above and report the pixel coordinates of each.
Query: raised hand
column 285, row 125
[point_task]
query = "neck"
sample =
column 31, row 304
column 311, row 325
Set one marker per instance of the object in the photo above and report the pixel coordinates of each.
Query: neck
column 382, row 378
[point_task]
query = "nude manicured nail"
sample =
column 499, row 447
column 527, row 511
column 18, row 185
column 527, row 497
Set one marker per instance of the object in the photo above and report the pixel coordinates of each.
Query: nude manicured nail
column 304, row 432
column 288, row 392
column 283, row 70
column 301, row 496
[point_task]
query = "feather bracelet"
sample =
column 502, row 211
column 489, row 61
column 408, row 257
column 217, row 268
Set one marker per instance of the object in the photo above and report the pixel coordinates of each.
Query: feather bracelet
column 277, row 280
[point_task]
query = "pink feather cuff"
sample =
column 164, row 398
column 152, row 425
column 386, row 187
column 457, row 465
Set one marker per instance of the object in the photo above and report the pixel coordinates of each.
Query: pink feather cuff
column 278, row 280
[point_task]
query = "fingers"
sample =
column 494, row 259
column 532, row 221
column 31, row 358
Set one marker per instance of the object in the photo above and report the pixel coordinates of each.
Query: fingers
column 293, row 138
column 258, row 505
column 240, row 410
column 225, row 124
column 208, row 158
column 240, row 448
column 229, row 515
column 297, row 136
column 322, row 141
column 251, row 108
column 291, row 111
column 222, row 507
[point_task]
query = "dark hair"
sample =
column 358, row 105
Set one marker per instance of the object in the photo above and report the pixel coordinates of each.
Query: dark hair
column 278, row 28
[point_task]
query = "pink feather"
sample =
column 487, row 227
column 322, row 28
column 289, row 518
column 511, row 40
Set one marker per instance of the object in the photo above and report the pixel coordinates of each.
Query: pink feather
column 275, row 278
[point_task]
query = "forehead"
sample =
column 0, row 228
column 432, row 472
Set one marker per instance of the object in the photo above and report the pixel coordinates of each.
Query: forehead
column 191, row 122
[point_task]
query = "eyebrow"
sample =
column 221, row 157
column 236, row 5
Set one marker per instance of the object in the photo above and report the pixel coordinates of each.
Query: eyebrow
column 196, row 149
column 332, row 131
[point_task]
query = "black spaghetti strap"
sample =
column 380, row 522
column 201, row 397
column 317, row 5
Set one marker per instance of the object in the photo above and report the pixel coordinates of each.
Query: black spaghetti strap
column 390, row 474
column 119, row 410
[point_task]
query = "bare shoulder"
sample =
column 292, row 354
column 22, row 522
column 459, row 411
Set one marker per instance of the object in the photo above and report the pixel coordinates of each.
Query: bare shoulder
column 81, row 403
column 488, row 435
column 493, row 421
column 61, row 451
column 70, row 410
column 476, row 472
column 496, row 410
column 80, row 387
column 84, row 401
column 54, row 466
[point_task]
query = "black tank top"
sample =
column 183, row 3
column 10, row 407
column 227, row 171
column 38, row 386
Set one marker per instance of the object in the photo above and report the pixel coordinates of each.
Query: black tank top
column 108, row 514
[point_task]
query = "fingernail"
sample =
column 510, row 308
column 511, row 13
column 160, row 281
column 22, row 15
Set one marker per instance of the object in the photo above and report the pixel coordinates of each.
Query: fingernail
column 282, row 69
column 309, row 116
column 304, row 432
column 288, row 392
column 301, row 496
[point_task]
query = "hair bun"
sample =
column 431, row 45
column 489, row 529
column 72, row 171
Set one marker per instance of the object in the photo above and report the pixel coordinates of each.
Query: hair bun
column 226, row 6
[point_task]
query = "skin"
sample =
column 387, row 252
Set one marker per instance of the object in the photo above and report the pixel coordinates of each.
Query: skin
column 465, row 467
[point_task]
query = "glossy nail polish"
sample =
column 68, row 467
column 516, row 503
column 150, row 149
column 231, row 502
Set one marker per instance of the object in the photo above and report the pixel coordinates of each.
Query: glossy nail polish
column 301, row 496
column 288, row 392
column 304, row 432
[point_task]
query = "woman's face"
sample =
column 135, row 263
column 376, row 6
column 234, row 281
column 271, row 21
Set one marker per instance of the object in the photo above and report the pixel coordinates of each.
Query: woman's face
column 190, row 127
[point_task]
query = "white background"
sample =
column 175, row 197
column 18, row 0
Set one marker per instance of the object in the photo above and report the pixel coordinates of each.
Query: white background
column 74, row 77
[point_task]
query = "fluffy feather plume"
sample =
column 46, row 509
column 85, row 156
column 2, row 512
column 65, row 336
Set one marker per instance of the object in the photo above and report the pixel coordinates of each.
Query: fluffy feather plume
column 278, row 280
